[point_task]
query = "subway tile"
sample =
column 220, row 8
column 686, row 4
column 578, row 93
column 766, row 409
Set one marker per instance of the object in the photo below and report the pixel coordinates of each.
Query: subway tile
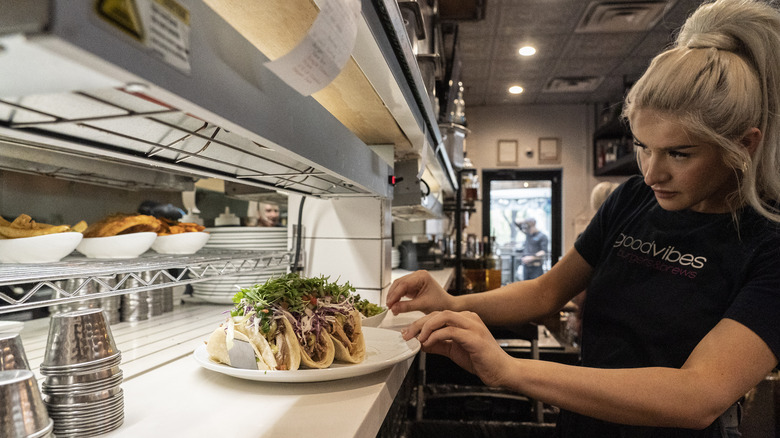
column 348, row 217
column 358, row 261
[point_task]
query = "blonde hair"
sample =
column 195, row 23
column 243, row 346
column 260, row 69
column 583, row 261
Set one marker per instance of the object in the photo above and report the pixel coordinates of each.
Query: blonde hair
column 722, row 77
column 600, row 193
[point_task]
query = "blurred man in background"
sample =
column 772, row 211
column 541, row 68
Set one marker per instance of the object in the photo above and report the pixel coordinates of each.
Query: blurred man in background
column 535, row 250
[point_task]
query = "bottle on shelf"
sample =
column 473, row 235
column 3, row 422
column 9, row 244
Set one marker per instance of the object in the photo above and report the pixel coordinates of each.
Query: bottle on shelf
column 491, row 262
column 482, row 271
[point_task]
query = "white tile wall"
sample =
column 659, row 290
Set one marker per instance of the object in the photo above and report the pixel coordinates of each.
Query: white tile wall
column 349, row 217
column 347, row 239
column 357, row 260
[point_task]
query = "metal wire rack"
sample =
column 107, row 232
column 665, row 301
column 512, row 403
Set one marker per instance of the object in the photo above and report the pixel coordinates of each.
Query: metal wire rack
column 93, row 274
column 131, row 125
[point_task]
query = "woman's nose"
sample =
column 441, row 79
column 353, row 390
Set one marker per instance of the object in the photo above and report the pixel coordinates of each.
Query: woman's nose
column 653, row 170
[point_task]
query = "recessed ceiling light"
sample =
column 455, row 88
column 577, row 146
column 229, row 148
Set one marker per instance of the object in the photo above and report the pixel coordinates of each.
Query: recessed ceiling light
column 515, row 89
column 527, row 51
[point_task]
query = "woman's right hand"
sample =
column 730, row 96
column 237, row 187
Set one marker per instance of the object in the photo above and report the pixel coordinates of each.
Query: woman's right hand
column 464, row 338
column 424, row 291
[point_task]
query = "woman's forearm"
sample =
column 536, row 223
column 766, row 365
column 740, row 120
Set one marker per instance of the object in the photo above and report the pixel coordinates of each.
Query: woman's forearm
column 529, row 300
column 514, row 303
column 725, row 365
column 642, row 396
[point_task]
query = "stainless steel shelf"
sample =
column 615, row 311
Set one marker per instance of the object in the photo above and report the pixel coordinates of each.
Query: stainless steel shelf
column 283, row 140
column 41, row 279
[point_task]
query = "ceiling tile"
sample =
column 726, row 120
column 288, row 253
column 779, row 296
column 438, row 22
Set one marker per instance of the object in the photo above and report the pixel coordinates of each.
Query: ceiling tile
column 490, row 62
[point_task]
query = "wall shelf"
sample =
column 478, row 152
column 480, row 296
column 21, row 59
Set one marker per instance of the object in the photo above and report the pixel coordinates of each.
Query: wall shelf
column 613, row 150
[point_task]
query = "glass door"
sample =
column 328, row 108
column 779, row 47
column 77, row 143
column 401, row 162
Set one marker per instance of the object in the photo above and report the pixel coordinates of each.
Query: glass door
column 522, row 210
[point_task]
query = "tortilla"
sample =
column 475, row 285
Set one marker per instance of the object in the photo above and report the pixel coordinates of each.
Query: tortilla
column 321, row 355
column 283, row 349
column 348, row 339
column 217, row 347
column 259, row 343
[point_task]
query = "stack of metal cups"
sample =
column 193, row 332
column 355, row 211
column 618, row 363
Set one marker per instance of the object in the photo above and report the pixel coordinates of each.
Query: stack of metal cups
column 167, row 299
column 22, row 412
column 140, row 306
column 110, row 305
column 135, row 305
column 81, row 389
column 156, row 298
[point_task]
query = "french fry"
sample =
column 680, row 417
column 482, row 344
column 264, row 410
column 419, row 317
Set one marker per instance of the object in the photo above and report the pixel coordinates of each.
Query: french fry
column 79, row 227
column 24, row 226
column 16, row 232
column 22, row 221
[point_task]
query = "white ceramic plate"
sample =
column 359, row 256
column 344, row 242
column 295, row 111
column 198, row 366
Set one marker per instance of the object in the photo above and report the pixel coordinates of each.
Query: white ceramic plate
column 258, row 230
column 374, row 321
column 211, row 299
column 39, row 249
column 182, row 243
column 257, row 246
column 124, row 246
column 384, row 348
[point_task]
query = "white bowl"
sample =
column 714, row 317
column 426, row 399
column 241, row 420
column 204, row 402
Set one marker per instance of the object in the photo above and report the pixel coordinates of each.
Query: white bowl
column 123, row 246
column 182, row 243
column 39, row 249
column 374, row 321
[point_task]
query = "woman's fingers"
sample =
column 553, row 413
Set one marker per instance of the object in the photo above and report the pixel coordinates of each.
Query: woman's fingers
column 424, row 294
column 413, row 329
column 424, row 327
column 463, row 337
column 407, row 286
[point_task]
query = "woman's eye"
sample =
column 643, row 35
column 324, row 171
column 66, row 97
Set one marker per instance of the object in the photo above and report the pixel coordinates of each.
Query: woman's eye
column 676, row 154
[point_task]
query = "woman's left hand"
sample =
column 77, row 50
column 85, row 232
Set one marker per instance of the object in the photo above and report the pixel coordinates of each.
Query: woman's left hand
column 464, row 338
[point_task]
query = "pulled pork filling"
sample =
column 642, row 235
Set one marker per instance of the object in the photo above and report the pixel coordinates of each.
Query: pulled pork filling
column 343, row 333
column 282, row 354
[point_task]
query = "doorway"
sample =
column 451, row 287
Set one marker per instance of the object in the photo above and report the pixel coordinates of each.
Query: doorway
column 512, row 196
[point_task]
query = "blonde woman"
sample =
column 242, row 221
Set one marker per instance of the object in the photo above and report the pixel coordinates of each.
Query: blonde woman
column 681, row 265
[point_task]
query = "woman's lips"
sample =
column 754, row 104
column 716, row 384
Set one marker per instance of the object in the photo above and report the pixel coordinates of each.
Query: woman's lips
column 663, row 194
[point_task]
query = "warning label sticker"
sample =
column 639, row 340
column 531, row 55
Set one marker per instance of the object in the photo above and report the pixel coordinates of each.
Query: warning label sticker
column 163, row 26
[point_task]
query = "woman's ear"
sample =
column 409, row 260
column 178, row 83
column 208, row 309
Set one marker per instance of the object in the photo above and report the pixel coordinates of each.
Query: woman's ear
column 751, row 139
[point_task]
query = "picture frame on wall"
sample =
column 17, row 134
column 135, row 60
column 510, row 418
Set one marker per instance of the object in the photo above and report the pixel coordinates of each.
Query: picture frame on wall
column 507, row 153
column 549, row 150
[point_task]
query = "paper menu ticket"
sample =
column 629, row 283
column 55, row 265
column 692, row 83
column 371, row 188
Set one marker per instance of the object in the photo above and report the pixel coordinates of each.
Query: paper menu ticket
column 319, row 58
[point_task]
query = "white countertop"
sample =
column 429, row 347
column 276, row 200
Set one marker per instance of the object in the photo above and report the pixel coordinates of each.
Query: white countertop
column 168, row 394
column 443, row 276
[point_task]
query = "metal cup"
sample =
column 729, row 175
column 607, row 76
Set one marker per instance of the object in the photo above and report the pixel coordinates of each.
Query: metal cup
column 22, row 411
column 77, row 339
column 135, row 306
column 77, row 397
column 12, row 356
column 89, row 377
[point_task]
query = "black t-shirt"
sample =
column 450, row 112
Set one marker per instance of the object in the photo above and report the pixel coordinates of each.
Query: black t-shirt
column 662, row 280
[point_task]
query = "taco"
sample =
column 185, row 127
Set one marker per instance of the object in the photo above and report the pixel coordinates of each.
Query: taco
column 221, row 341
column 282, row 347
column 345, row 328
column 317, row 349
column 272, row 335
column 343, row 324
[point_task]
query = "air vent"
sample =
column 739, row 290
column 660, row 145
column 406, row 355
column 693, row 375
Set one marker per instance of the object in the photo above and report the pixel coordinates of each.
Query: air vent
column 611, row 17
column 572, row 84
